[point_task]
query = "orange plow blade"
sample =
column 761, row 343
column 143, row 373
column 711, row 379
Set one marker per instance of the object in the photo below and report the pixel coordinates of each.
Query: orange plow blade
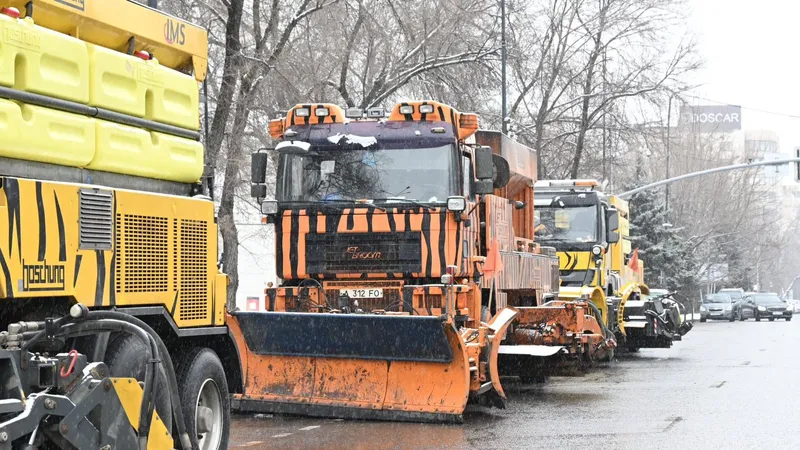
column 352, row 366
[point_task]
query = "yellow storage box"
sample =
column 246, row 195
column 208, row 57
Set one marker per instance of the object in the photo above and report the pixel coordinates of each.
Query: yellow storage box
column 172, row 97
column 45, row 135
column 42, row 61
column 134, row 151
column 131, row 85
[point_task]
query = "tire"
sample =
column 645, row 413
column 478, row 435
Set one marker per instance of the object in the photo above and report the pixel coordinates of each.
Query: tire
column 703, row 320
column 126, row 357
column 202, row 381
column 788, row 319
column 741, row 316
column 758, row 318
column 732, row 318
column 772, row 319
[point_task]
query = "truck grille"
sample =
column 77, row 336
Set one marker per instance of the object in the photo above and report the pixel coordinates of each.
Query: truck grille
column 364, row 253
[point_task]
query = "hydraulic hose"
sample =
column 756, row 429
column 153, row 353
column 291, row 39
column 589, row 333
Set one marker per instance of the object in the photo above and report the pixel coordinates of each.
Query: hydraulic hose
column 596, row 310
column 177, row 410
column 660, row 319
column 105, row 325
column 57, row 324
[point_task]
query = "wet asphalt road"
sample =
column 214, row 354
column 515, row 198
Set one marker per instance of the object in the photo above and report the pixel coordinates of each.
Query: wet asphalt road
column 726, row 386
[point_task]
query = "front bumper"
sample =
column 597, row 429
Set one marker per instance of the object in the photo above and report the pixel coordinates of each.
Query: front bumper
column 718, row 315
column 773, row 315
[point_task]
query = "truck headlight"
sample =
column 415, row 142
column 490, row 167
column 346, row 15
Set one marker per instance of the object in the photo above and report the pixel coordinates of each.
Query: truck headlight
column 597, row 250
column 456, row 204
column 269, row 207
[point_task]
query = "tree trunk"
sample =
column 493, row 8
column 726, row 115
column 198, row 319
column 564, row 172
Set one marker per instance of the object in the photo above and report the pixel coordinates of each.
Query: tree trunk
column 227, row 216
column 233, row 46
column 588, row 87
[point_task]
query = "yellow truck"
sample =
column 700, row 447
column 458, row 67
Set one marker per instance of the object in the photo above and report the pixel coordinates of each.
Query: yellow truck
column 108, row 249
column 591, row 231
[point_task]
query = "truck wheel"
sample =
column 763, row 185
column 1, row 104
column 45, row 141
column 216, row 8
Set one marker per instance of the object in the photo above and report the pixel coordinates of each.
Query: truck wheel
column 204, row 395
column 126, row 358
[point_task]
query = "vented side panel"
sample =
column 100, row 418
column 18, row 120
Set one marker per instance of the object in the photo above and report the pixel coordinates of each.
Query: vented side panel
column 142, row 254
column 194, row 294
column 96, row 227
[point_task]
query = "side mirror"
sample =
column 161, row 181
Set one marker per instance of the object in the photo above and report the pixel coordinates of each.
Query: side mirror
column 484, row 166
column 612, row 223
column 258, row 190
column 258, row 174
column 483, row 187
column 258, row 167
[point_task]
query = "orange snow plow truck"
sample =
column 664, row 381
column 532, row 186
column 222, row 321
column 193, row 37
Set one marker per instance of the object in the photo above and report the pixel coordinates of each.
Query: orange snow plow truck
column 400, row 266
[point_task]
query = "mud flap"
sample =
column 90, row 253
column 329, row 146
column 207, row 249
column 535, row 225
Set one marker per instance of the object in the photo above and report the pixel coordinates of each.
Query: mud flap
column 498, row 325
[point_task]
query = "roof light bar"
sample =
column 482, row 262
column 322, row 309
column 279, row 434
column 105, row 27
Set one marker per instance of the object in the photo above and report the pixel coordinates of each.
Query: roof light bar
column 376, row 113
column 302, row 112
column 426, row 109
column 354, row 113
column 406, row 109
column 322, row 112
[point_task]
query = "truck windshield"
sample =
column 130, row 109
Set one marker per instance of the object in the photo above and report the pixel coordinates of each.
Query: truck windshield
column 570, row 224
column 418, row 174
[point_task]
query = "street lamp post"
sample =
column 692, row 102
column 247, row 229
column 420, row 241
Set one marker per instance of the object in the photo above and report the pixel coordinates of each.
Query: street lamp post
column 503, row 56
column 669, row 127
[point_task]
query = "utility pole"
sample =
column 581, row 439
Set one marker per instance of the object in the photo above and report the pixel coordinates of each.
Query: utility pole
column 669, row 126
column 503, row 57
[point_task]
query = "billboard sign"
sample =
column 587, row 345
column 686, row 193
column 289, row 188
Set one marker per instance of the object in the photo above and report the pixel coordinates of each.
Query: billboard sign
column 712, row 118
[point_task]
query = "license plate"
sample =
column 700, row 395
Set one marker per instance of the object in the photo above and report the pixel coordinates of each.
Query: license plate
column 361, row 293
column 777, row 314
column 716, row 313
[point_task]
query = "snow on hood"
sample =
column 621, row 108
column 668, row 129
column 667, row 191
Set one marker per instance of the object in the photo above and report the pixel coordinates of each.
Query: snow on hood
column 364, row 141
column 304, row 145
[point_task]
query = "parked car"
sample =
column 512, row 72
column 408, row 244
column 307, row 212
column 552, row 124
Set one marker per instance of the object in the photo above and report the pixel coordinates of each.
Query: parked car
column 766, row 306
column 737, row 294
column 717, row 307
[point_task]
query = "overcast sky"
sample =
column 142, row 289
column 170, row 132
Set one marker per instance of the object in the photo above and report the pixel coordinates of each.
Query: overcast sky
column 751, row 59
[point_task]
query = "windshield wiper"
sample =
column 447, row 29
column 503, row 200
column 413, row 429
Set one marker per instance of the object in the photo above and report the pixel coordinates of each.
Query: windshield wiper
column 353, row 202
column 406, row 200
